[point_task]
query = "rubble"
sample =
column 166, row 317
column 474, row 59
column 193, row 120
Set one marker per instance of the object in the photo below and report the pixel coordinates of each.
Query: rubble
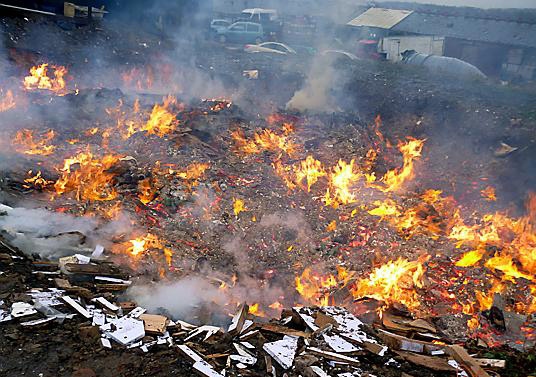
column 332, row 340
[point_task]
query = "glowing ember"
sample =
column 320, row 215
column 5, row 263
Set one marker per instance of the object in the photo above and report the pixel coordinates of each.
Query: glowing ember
column 489, row 194
column 88, row 177
column 39, row 79
column 27, row 142
column 147, row 191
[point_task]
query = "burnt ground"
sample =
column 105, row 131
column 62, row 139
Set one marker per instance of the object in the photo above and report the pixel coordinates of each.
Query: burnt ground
column 463, row 122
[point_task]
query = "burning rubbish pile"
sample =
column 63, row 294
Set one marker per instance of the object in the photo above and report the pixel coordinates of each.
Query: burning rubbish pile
column 144, row 223
column 316, row 341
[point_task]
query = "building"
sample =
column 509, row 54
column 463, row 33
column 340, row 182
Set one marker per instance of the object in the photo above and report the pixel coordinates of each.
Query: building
column 499, row 48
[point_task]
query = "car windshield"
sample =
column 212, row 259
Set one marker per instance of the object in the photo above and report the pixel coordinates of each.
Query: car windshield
column 238, row 27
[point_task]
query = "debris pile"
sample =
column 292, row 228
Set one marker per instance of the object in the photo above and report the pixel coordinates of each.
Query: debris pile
column 306, row 341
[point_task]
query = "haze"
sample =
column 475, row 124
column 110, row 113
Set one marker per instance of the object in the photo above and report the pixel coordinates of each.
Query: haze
column 483, row 3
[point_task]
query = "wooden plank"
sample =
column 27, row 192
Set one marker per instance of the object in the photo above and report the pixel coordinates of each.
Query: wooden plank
column 434, row 363
column 466, row 361
column 278, row 329
column 399, row 342
column 334, row 356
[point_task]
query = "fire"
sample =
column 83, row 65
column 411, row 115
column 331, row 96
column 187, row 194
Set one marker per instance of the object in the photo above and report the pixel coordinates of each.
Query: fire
column 505, row 264
column 489, row 194
column 147, row 191
column 88, row 177
column 341, row 180
column 393, row 282
column 332, row 226
column 26, row 142
column 143, row 244
column 194, row 171
column 39, row 79
column 265, row 140
column 238, row 206
column 256, row 311
column 141, row 79
column 310, row 170
column 470, row 258
column 7, row 101
column 315, row 288
column 36, row 181
column 394, row 179
column 387, row 208
column 162, row 121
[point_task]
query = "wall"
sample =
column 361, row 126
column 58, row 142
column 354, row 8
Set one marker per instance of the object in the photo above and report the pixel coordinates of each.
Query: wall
column 520, row 64
column 393, row 47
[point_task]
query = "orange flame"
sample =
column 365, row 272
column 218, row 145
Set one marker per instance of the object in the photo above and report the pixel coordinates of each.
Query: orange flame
column 393, row 282
column 341, row 180
column 88, row 177
column 394, row 179
column 26, row 142
column 265, row 140
column 39, row 79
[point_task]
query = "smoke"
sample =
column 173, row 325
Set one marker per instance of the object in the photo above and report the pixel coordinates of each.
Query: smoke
column 180, row 298
column 482, row 3
column 315, row 94
column 52, row 234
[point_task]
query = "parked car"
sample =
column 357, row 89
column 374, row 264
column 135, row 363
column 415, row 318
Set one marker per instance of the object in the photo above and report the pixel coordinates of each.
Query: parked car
column 242, row 32
column 270, row 47
column 268, row 18
column 217, row 25
column 339, row 54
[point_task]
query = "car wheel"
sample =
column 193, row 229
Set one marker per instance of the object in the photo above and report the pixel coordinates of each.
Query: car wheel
column 223, row 38
column 258, row 41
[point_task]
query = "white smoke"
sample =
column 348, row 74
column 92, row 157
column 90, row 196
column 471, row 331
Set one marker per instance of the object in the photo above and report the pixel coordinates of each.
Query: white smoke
column 52, row 234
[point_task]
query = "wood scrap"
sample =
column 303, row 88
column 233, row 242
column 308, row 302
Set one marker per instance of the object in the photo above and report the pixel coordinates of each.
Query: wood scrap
column 430, row 362
column 466, row 361
column 399, row 342
column 154, row 323
column 238, row 320
column 278, row 329
column 333, row 356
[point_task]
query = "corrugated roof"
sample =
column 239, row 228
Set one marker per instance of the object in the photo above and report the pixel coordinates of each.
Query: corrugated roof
column 470, row 28
column 380, row 17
